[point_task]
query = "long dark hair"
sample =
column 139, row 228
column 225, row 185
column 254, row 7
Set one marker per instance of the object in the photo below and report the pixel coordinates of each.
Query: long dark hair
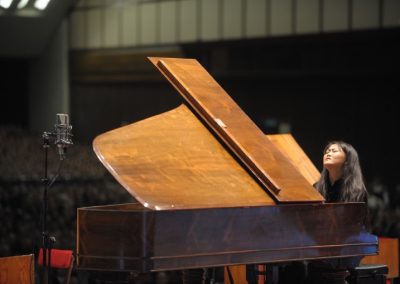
column 353, row 188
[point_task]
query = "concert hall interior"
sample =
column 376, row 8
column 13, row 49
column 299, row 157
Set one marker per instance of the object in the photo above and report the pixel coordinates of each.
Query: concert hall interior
column 320, row 70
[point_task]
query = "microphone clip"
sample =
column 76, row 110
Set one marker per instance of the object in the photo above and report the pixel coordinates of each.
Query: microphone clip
column 61, row 136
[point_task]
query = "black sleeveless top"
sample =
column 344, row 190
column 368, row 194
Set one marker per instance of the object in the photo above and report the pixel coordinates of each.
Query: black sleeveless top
column 333, row 191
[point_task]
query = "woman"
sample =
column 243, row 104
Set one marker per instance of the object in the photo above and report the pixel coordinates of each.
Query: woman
column 341, row 181
column 341, row 178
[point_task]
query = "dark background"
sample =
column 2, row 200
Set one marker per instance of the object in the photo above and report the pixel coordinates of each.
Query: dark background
column 331, row 86
column 325, row 87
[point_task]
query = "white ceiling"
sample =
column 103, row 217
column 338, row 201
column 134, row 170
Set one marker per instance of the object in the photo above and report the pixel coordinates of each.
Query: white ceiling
column 26, row 33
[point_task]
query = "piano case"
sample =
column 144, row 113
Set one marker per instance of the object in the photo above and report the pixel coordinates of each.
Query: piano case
column 212, row 190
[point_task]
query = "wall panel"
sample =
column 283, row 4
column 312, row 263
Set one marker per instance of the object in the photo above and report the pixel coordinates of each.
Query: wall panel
column 210, row 20
column 188, row 20
column 129, row 26
column 232, row 19
column 133, row 23
column 307, row 16
column 168, row 22
column 95, row 21
column 148, row 23
column 256, row 18
column 335, row 15
column 391, row 13
column 112, row 27
column 77, row 26
column 281, row 17
column 365, row 14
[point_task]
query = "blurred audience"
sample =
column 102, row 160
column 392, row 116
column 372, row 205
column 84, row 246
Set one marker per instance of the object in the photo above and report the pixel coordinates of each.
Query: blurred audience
column 384, row 209
column 83, row 181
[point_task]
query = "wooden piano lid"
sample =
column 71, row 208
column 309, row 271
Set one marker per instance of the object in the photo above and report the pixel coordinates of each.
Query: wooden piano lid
column 172, row 161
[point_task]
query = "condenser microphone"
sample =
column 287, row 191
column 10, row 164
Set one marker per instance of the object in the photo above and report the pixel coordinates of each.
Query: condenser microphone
column 62, row 134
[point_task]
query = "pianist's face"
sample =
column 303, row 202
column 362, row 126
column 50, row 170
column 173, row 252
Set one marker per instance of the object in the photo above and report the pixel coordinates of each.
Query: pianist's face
column 334, row 157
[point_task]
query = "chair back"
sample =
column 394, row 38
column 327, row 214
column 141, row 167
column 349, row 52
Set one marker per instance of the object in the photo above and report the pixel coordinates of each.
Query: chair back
column 17, row 269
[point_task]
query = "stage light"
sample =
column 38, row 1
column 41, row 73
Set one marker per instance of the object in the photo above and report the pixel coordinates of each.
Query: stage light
column 41, row 4
column 22, row 4
column 5, row 3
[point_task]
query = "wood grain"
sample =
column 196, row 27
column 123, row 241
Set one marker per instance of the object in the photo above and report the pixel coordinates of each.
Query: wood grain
column 134, row 238
column 17, row 269
column 236, row 130
column 296, row 155
column 172, row 161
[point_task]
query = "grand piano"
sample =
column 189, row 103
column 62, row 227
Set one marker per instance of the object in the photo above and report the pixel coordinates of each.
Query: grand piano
column 211, row 190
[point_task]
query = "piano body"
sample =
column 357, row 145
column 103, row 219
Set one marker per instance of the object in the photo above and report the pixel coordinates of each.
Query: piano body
column 212, row 190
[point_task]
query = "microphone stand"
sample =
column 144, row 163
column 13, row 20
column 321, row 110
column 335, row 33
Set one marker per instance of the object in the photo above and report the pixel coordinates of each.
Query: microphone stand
column 61, row 138
column 47, row 240
column 45, row 234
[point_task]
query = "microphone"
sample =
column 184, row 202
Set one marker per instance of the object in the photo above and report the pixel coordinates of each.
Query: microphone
column 62, row 134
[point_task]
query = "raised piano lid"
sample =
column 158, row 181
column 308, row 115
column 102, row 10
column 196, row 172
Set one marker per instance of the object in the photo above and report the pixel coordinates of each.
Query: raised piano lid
column 289, row 147
column 217, row 109
column 172, row 161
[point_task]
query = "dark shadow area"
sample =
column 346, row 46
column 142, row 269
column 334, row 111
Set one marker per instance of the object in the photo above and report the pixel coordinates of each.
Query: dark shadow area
column 14, row 104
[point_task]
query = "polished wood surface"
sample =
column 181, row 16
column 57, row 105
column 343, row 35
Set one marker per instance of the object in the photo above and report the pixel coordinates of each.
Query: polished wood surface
column 17, row 269
column 295, row 154
column 237, row 131
column 172, row 161
column 133, row 238
column 238, row 274
column 388, row 254
column 292, row 150
column 212, row 190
